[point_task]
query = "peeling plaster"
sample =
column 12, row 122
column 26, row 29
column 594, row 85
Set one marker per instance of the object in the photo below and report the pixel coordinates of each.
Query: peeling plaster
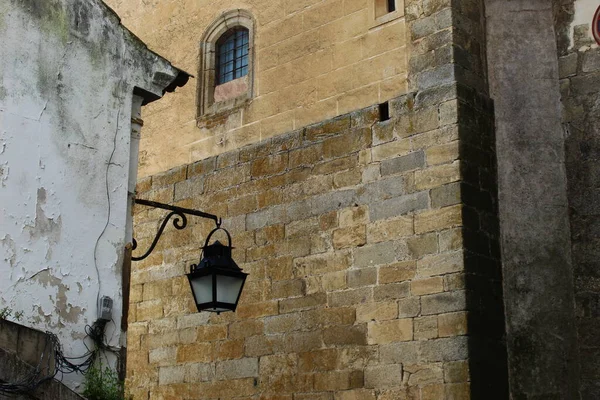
column 67, row 74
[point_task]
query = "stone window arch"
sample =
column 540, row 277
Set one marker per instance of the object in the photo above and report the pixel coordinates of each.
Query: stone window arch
column 213, row 96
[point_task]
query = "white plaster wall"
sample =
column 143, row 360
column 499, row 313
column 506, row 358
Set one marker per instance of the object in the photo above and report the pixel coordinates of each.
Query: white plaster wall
column 67, row 71
column 584, row 13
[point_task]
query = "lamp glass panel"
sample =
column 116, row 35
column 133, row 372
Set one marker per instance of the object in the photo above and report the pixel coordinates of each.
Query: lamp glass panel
column 228, row 288
column 202, row 289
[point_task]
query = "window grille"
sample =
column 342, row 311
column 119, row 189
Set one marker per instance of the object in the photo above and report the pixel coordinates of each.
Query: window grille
column 232, row 55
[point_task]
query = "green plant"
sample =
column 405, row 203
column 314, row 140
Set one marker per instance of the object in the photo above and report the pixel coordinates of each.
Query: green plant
column 6, row 312
column 102, row 384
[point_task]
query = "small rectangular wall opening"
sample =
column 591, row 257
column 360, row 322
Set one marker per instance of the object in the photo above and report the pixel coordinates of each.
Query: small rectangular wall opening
column 384, row 111
column 383, row 7
column 391, row 5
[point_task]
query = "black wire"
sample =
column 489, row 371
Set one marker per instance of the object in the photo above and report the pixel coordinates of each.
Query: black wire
column 62, row 364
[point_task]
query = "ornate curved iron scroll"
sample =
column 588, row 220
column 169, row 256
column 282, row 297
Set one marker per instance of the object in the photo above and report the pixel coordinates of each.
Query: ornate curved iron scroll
column 180, row 212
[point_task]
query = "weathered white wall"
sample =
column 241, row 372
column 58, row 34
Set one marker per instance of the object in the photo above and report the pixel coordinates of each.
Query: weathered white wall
column 67, row 70
column 584, row 12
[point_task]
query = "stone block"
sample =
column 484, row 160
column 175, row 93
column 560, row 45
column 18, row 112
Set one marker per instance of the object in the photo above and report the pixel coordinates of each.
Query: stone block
column 567, row 65
column 456, row 371
column 289, row 288
column 409, row 307
column 318, row 360
column 446, row 195
column 149, row 310
column 398, row 147
column 319, row 264
column 327, row 129
column 244, row 329
column 329, row 282
column 350, row 297
column 427, row 286
column 398, row 272
column 438, row 219
column 591, row 61
column 391, row 291
column 449, row 112
column 375, row 254
column 345, row 335
column 421, row 120
column 346, row 143
column 331, row 201
column 352, row 236
column 353, row 216
column 419, row 246
column 270, row 165
column 235, row 369
column 411, row 161
column 302, row 303
column 443, row 302
column 336, row 165
column 383, row 376
column 454, row 324
column 435, row 391
column 390, row 229
column 196, row 352
column 299, row 342
column 261, row 345
column 337, row 380
column 199, row 372
column 424, row 374
column 442, row 154
column 422, row 27
column 169, row 177
column 426, row 328
column 230, row 349
column 444, row 349
column 383, row 132
column 437, row 176
column 398, row 206
column 380, row 311
column 362, row 277
column 381, row 189
column 356, row 394
column 458, row 391
column 440, row 264
column 442, row 75
column 171, row 375
column 347, row 178
column 399, row 330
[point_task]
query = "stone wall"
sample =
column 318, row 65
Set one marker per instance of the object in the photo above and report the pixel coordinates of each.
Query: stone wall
column 372, row 248
column 579, row 68
column 351, row 233
column 313, row 60
column 26, row 352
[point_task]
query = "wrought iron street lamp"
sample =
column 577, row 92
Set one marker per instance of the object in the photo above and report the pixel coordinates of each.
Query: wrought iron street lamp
column 216, row 281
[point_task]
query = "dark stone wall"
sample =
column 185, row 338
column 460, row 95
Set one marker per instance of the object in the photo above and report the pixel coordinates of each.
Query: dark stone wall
column 533, row 207
column 580, row 86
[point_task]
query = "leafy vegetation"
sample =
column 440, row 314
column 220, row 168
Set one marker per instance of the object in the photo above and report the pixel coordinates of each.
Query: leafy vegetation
column 7, row 312
column 102, row 384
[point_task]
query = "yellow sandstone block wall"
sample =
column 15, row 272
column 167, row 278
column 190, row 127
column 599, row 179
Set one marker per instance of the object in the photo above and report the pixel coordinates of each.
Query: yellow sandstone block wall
column 351, row 231
column 314, row 59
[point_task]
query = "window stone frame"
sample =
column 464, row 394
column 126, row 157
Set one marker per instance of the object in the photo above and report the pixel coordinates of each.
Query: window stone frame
column 206, row 105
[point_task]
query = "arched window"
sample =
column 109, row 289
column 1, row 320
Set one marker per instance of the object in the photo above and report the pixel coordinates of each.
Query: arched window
column 226, row 64
column 232, row 55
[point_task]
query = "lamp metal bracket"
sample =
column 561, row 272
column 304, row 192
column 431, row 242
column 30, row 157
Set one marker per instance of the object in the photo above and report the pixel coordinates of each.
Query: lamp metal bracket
column 180, row 222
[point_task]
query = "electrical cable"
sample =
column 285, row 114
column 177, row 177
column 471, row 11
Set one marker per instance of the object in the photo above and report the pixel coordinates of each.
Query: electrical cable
column 63, row 364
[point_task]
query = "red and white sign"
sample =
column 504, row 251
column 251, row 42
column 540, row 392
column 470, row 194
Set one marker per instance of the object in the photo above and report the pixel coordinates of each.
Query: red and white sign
column 596, row 25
